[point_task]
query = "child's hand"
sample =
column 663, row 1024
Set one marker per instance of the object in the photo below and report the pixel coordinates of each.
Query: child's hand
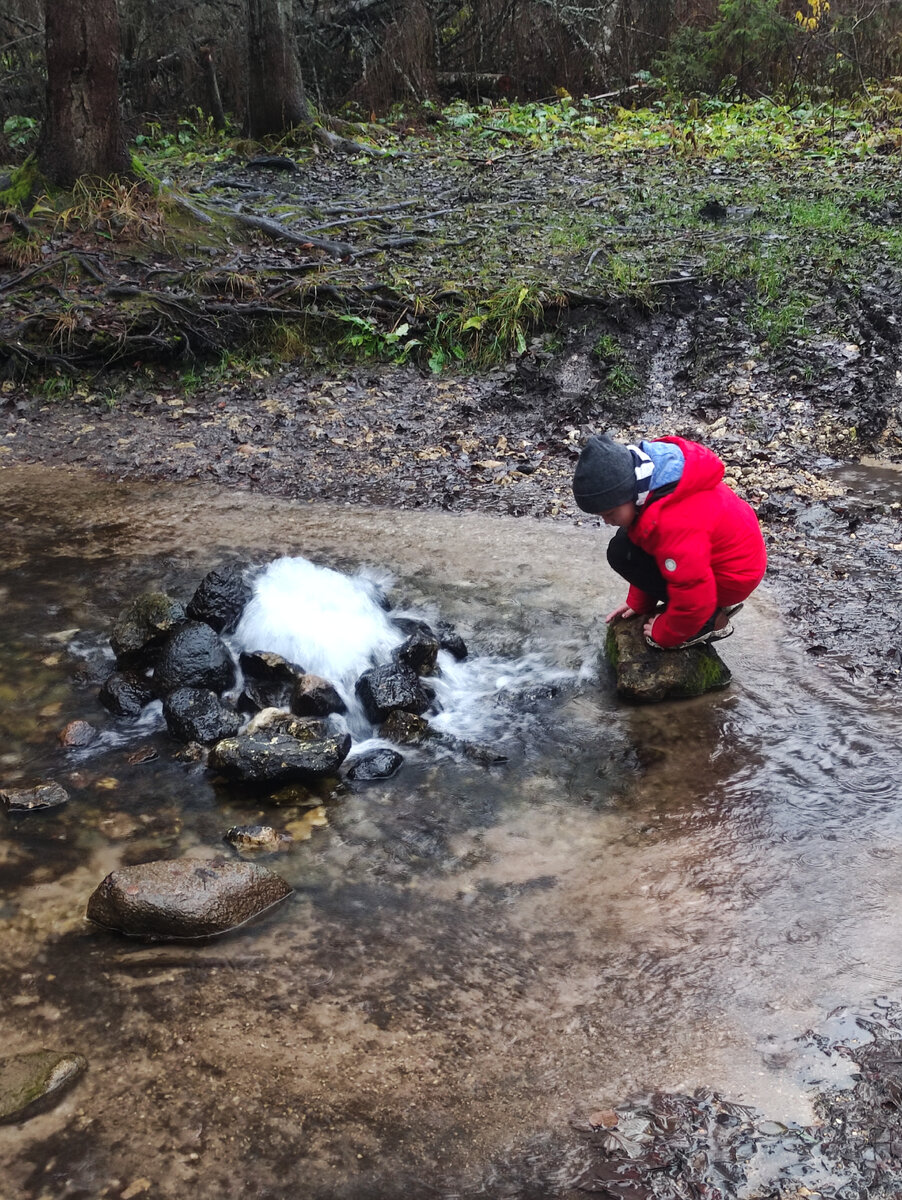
column 623, row 611
column 648, row 627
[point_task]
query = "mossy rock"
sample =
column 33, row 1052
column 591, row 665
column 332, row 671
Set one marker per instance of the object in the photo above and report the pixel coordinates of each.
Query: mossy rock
column 647, row 676
column 32, row 1083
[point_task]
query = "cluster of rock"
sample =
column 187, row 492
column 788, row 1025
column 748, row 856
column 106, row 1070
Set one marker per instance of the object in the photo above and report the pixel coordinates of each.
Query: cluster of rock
column 264, row 721
column 179, row 655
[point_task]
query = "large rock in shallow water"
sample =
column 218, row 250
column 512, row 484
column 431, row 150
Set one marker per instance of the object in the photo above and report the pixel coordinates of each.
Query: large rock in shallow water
column 276, row 759
column 125, row 694
column 140, row 629
column 194, row 656
column 221, row 597
column 183, row 898
column 385, row 689
column 197, row 715
column 34, row 799
column 32, row 1083
column 646, row 675
column 269, row 679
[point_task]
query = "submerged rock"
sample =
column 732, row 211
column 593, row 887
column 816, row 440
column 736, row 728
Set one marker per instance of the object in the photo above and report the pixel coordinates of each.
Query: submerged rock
column 262, row 759
column 194, row 656
column 77, row 734
column 32, row 1083
column 125, row 694
column 184, row 898
column 198, row 715
column 393, row 686
column 34, row 799
column 375, row 764
column 269, row 679
column 262, row 839
column 140, row 629
column 221, row 597
column 647, row 676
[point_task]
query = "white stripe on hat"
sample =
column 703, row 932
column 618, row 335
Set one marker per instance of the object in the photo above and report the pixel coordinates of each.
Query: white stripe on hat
column 644, row 471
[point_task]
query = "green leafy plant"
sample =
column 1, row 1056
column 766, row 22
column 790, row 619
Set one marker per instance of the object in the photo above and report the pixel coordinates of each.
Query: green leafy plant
column 364, row 339
column 21, row 132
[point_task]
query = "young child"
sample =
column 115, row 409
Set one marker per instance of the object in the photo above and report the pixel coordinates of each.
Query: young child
column 684, row 539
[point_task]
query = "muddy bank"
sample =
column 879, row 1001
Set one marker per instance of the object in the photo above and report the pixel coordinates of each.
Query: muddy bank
column 506, row 442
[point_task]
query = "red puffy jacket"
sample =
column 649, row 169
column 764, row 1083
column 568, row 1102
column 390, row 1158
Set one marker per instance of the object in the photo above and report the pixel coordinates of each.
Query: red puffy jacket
column 707, row 544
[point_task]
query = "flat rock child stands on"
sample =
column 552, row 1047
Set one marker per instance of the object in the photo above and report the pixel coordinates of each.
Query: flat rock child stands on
column 684, row 539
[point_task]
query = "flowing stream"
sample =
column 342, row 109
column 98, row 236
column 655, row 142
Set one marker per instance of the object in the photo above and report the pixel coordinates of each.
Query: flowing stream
column 473, row 958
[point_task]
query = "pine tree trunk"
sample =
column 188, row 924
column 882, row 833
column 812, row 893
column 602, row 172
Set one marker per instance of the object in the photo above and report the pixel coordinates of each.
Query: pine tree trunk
column 276, row 100
column 82, row 135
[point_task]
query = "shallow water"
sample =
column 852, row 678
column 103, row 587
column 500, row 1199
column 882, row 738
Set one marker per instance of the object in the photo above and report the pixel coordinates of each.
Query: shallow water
column 638, row 899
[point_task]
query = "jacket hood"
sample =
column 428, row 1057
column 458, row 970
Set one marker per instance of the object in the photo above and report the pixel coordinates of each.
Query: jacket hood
column 702, row 472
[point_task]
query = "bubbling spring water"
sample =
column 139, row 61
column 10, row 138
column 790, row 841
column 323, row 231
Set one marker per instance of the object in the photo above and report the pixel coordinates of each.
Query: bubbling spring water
column 337, row 626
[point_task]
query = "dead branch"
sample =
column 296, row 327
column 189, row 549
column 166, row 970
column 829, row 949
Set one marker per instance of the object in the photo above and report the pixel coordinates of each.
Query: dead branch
column 275, row 229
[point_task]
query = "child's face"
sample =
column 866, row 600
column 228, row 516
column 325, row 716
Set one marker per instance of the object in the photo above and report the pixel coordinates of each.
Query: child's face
column 621, row 516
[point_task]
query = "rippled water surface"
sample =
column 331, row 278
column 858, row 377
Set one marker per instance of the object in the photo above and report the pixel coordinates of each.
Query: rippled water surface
column 473, row 958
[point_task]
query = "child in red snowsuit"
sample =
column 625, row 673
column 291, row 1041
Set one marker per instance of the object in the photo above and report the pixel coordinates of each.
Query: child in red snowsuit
column 683, row 537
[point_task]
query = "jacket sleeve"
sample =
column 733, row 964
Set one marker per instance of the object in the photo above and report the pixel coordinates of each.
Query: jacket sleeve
column 639, row 601
column 685, row 562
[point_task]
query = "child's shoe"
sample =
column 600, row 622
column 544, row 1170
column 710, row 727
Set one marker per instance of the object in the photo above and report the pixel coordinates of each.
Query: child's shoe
column 707, row 633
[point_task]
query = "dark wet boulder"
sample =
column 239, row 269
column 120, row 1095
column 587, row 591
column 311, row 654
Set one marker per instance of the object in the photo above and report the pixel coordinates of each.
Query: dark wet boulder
column 407, row 729
column 194, row 656
column 34, row 799
column 419, row 651
column 258, row 839
column 140, row 630
column 184, row 897
column 125, row 694
column 269, row 679
column 646, row 675
column 314, row 696
column 271, row 760
column 221, row 598
column 375, row 764
column 449, row 639
column 392, row 686
column 32, row 1083
column 198, row 715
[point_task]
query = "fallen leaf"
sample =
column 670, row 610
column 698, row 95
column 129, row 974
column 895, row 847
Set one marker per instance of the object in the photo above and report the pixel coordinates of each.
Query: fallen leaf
column 605, row 1118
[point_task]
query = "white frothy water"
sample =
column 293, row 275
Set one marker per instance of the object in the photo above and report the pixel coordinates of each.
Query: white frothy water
column 328, row 623
column 333, row 625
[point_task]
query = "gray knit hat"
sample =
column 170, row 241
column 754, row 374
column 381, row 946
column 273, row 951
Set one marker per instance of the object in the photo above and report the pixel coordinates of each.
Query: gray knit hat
column 605, row 476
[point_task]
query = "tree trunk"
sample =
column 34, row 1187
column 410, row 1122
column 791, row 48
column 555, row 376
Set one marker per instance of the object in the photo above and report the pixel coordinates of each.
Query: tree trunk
column 82, row 134
column 276, row 99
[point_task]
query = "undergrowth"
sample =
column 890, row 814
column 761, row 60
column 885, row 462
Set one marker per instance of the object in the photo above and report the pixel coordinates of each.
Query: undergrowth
column 553, row 204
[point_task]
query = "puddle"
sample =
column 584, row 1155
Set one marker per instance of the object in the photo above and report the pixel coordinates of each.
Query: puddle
column 639, row 900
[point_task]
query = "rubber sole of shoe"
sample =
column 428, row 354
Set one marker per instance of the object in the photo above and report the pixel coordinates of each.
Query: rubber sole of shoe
column 712, row 635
